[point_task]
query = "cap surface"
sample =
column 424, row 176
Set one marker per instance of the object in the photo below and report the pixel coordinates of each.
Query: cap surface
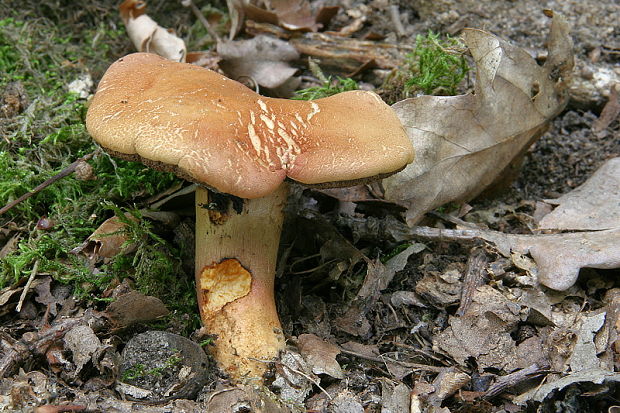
column 214, row 131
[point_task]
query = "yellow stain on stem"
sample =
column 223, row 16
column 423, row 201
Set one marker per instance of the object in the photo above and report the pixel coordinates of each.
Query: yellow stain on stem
column 222, row 283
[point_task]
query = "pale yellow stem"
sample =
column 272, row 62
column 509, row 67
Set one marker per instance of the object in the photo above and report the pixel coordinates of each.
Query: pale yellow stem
column 236, row 257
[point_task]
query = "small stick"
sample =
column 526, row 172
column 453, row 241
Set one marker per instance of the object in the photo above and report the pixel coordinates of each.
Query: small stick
column 395, row 17
column 474, row 278
column 33, row 273
column 183, row 191
column 14, row 353
column 215, row 393
column 301, row 373
column 295, row 371
column 510, row 380
column 65, row 172
column 202, row 18
column 383, row 359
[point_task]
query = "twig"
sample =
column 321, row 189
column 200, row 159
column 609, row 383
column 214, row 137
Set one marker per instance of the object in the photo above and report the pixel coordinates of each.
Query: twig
column 215, row 393
column 202, row 18
column 474, row 278
column 418, row 350
column 384, row 359
column 446, row 234
column 183, row 191
column 33, row 273
column 14, row 353
column 295, row 371
column 65, row 172
column 510, row 380
column 609, row 112
column 301, row 373
column 395, row 17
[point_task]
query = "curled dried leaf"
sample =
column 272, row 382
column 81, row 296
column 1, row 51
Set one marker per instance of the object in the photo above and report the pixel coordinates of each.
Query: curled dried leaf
column 147, row 35
column 108, row 241
column 465, row 143
column 321, row 355
column 262, row 59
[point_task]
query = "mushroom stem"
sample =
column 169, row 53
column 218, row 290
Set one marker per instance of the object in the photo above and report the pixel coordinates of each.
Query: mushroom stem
column 236, row 256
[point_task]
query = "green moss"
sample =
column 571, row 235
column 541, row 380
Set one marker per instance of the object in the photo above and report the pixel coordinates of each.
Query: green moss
column 155, row 266
column 437, row 66
column 328, row 87
column 139, row 370
column 394, row 252
column 48, row 135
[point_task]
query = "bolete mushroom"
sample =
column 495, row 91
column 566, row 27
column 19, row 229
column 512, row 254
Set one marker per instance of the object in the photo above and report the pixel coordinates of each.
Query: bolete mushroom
column 218, row 133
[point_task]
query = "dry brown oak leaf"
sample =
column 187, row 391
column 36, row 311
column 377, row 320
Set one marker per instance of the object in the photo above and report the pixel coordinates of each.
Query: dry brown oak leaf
column 595, row 205
column 463, row 143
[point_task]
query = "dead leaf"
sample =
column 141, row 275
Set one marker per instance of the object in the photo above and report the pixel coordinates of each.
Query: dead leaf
column 440, row 289
column 596, row 376
column 45, row 296
column 294, row 378
column 406, row 298
column 24, row 390
column 591, row 206
column 7, row 293
column 294, row 15
column 261, row 59
column 364, row 350
column 320, row 355
column 559, row 257
column 395, row 397
column 147, row 36
column 346, row 402
column 236, row 15
column 208, row 59
column 135, row 307
column 378, row 277
column 584, row 355
column 446, row 384
column 242, row 398
column 539, row 306
column 83, row 343
column 10, row 246
column 346, row 56
column 48, row 408
column 359, row 14
column 108, row 240
column 484, row 333
column 463, row 143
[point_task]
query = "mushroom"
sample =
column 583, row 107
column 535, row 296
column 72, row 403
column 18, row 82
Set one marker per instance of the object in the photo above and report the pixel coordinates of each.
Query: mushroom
column 230, row 140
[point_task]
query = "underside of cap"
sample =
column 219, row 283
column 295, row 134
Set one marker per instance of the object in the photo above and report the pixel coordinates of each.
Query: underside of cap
column 214, row 131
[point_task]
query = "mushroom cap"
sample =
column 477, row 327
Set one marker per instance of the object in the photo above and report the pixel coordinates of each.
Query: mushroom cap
column 216, row 132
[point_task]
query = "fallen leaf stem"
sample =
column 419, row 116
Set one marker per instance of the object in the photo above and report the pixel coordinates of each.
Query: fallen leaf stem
column 201, row 17
column 65, row 172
